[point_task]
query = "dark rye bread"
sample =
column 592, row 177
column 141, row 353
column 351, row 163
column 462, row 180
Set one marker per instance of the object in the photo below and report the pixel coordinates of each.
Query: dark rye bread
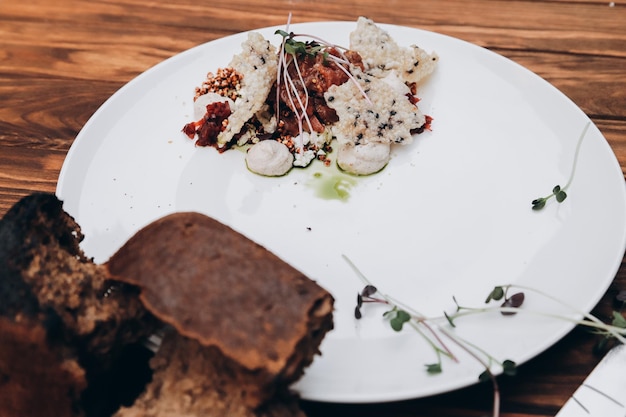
column 64, row 324
column 34, row 374
column 70, row 332
column 192, row 380
column 250, row 309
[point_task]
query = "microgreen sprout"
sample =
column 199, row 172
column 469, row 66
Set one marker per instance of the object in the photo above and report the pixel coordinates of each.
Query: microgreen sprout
column 297, row 94
column 618, row 320
column 397, row 318
column 510, row 302
column 509, row 367
column 317, row 46
column 557, row 192
column 294, row 47
column 620, row 299
column 399, row 315
column 367, row 295
column 560, row 193
column 431, row 329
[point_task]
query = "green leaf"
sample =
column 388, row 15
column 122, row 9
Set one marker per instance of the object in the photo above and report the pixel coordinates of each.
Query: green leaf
column 433, row 368
column 399, row 319
column 396, row 324
column 403, row 315
column 560, row 196
column 496, row 294
column 485, row 376
column 449, row 319
column 619, row 320
column 368, row 291
column 509, row 367
column 600, row 347
column 556, row 189
column 539, row 203
column 290, row 48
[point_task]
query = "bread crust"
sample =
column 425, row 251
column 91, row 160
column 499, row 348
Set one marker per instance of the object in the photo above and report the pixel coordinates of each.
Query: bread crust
column 217, row 287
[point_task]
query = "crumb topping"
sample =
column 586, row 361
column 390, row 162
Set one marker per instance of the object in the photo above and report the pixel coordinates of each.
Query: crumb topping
column 226, row 82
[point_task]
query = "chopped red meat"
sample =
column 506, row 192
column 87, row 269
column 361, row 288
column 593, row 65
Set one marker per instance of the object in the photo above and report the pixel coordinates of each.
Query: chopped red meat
column 210, row 126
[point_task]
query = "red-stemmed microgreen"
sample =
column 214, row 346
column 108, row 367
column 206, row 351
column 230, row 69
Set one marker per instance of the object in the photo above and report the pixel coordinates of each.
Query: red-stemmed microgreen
column 560, row 193
column 508, row 367
column 320, row 46
column 291, row 48
column 513, row 301
column 509, row 307
column 290, row 51
column 400, row 316
column 287, row 47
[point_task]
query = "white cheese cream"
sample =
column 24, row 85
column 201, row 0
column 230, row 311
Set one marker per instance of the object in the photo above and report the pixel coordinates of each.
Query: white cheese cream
column 270, row 158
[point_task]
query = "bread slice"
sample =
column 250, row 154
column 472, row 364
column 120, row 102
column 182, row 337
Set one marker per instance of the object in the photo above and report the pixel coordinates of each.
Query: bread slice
column 192, row 380
column 249, row 316
column 63, row 322
column 35, row 374
column 241, row 324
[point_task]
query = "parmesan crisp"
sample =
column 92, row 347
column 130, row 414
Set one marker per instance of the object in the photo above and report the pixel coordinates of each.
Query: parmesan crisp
column 382, row 54
column 385, row 116
column 258, row 63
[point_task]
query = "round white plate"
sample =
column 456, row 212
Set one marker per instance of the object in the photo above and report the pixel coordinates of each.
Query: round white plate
column 449, row 216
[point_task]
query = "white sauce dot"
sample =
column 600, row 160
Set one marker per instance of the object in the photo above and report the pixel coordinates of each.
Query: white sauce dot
column 363, row 159
column 269, row 158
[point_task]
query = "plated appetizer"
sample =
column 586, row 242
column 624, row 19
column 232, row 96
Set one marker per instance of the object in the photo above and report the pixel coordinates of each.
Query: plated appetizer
column 295, row 103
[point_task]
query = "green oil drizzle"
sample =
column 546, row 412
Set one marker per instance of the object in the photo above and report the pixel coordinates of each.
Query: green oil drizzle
column 332, row 185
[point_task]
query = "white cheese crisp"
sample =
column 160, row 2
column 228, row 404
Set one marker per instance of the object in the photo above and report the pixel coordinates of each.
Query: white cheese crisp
column 381, row 53
column 385, row 116
column 373, row 108
column 258, row 64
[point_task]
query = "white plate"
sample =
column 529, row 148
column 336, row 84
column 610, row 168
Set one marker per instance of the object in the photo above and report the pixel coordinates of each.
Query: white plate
column 450, row 215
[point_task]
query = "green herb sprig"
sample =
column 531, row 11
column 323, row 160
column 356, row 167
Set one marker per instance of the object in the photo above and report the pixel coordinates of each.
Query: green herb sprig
column 295, row 48
column 512, row 305
column 399, row 316
column 560, row 193
column 607, row 339
column 510, row 299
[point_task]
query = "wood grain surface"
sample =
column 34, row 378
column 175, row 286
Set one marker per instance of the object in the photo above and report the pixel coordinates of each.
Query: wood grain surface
column 60, row 60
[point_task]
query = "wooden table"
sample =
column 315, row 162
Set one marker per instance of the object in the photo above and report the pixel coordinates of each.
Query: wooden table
column 60, row 60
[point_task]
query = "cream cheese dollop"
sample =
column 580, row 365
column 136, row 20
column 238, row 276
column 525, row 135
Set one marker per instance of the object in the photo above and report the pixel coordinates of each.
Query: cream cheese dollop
column 363, row 159
column 270, row 158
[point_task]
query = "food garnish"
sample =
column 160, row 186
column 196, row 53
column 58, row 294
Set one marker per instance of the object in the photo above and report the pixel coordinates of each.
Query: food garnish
column 559, row 193
column 438, row 332
column 310, row 96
